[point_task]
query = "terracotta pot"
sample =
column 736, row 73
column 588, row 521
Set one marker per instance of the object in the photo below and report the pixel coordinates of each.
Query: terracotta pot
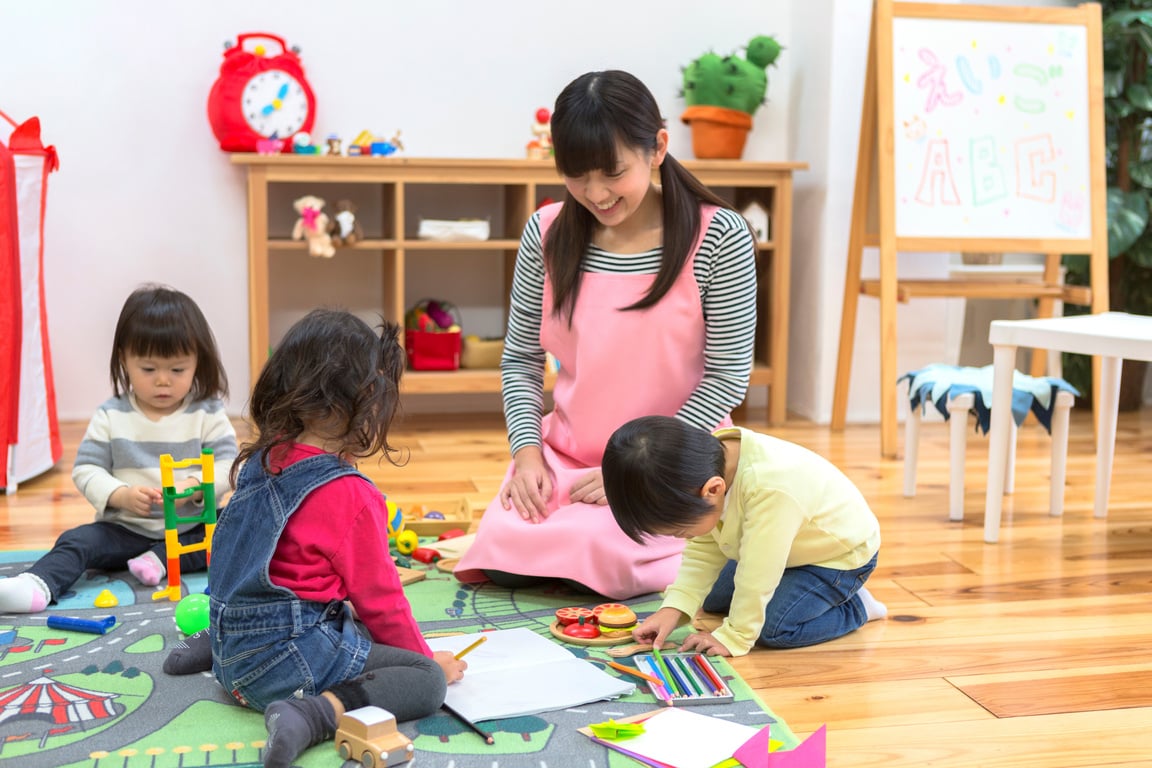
column 718, row 133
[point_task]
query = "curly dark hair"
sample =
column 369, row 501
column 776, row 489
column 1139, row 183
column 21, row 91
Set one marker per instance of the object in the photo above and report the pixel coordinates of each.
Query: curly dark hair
column 331, row 372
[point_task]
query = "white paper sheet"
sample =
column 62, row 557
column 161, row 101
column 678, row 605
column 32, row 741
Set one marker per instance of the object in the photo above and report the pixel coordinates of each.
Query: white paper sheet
column 518, row 672
column 685, row 739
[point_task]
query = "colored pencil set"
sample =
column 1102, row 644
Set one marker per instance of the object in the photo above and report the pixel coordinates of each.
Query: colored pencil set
column 685, row 678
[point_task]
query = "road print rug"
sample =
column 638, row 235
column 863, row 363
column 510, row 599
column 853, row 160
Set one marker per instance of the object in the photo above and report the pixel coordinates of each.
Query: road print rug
column 78, row 700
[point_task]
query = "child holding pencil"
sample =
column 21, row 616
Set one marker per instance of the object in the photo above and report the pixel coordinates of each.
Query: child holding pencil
column 301, row 550
column 780, row 540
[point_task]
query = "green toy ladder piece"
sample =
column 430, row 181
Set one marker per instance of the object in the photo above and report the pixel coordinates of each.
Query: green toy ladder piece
column 172, row 521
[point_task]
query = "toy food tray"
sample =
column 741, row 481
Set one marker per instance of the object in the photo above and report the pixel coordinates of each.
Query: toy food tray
column 689, row 678
column 457, row 513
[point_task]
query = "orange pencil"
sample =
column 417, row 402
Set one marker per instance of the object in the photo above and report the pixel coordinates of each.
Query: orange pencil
column 636, row 673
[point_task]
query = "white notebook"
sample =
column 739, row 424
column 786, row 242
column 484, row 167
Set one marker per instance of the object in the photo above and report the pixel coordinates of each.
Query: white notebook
column 518, row 672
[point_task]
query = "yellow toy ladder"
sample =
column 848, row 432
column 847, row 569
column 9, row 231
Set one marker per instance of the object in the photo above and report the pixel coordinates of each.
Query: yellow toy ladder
column 172, row 520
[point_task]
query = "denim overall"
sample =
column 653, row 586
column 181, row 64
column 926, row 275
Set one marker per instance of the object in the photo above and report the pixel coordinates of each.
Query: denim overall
column 268, row 644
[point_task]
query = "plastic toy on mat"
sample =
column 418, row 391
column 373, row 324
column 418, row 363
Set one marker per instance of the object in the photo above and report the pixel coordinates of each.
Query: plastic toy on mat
column 172, row 521
column 406, row 541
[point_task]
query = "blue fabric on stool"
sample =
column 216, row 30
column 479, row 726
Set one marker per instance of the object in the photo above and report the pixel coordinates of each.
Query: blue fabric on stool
column 939, row 383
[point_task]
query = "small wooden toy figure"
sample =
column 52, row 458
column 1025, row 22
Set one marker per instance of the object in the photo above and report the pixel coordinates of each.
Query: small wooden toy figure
column 335, row 145
column 345, row 228
column 369, row 735
column 313, row 226
column 540, row 148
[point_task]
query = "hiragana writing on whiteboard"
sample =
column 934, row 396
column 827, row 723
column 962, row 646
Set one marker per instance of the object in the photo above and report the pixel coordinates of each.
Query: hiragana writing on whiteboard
column 933, row 81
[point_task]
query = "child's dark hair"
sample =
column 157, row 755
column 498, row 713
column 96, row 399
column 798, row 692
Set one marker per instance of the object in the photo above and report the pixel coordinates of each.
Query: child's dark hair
column 331, row 372
column 593, row 114
column 654, row 468
column 158, row 321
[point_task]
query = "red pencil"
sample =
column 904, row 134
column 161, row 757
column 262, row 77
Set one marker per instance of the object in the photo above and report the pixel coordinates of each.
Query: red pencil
column 706, row 668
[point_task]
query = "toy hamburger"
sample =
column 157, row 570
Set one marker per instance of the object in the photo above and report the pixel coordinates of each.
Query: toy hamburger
column 616, row 621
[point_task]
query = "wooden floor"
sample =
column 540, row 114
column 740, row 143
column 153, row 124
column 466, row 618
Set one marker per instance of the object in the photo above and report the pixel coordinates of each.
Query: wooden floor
column 1035, row 652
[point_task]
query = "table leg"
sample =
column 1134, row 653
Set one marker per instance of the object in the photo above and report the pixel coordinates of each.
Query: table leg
column 1003, row 363
column 1107, row 404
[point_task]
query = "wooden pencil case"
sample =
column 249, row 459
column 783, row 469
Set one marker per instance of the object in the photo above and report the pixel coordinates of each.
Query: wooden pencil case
column 689, row 678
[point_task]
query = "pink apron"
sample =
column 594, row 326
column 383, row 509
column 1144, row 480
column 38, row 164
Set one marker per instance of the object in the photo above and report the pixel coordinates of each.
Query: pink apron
column 614, row 366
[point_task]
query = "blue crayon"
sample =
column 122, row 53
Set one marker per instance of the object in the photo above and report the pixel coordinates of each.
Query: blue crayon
column 93, row 626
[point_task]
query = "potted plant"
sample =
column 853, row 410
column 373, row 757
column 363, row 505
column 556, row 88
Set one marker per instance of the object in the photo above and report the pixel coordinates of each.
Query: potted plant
column 1127, row 42
column 722, row 93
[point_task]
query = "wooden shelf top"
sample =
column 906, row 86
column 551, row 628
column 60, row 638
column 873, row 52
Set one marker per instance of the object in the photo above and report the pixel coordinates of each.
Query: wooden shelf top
column 502, row 170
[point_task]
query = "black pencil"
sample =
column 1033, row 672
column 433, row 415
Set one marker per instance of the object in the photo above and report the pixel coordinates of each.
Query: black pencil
column 488, row 738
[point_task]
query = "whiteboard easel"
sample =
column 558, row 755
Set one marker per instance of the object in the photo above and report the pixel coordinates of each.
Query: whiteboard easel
column 985, row 128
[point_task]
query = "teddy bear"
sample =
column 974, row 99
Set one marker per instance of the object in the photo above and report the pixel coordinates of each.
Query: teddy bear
column 313, row 226
column 345, row 227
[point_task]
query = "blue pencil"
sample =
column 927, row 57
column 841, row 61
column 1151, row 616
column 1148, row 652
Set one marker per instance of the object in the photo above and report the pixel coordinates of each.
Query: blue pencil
column 679, row 686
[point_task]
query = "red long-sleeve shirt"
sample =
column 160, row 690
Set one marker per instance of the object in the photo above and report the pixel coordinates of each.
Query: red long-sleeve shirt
column 335, row 547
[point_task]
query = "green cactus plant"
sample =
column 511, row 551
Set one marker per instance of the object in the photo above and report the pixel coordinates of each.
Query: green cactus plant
column 731, row 82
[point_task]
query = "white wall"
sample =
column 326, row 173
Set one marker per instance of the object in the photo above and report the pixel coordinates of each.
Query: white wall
column 145, row 194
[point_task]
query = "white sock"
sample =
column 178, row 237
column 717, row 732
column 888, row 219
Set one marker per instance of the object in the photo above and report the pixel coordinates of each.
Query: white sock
column 26, row 593
column 147, row 568
column 873, row 608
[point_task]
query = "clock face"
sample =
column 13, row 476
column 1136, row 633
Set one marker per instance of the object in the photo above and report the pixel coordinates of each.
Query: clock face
column 274, row 102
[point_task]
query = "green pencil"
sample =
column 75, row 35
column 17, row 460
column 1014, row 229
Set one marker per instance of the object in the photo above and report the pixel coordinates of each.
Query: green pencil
column 674, row 689
column 689, row 675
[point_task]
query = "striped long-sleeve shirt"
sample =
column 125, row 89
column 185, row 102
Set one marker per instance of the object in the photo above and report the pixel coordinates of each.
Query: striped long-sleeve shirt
column 123, row 447
column 725, row 271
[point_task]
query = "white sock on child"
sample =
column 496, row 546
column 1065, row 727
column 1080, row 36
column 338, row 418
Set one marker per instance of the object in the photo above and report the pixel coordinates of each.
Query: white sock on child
column 873, row 608
column 26, row 593
column 147, row 569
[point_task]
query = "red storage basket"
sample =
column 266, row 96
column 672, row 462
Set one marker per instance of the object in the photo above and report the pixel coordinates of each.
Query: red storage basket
column 432, row 350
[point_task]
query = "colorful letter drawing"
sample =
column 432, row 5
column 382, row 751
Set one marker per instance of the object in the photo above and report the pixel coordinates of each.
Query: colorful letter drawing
column 1033, row 180
column 988, row 183
column 937, row 180
column 933, row 80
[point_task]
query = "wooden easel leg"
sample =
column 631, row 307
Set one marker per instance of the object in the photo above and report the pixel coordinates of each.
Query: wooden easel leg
column 865, row 157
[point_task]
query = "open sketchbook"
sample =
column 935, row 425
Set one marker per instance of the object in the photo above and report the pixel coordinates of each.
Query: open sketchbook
column 518, row 672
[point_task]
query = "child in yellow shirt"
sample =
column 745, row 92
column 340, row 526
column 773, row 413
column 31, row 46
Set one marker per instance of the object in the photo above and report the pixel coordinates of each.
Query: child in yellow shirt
column 780, row 539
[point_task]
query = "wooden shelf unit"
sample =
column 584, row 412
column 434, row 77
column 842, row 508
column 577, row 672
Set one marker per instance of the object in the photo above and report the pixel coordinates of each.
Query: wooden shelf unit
column 520, row 183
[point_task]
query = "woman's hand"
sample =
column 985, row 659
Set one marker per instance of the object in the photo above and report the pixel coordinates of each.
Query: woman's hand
column 136, row 499
column 530, row 486
column 655, row 629
column 703, row 642
column 452, row 666
column 589, row 489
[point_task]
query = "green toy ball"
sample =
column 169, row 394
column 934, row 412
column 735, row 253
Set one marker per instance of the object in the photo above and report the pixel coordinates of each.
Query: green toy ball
column 192, row 613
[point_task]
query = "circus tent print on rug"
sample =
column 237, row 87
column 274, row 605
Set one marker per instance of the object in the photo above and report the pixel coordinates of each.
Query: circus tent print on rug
column 60, row 702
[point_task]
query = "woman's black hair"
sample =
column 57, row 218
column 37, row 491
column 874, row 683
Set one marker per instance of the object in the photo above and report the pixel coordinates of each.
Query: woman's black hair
column 331, row 372
column 158, row 321
column 654, row 468
column 594, row 114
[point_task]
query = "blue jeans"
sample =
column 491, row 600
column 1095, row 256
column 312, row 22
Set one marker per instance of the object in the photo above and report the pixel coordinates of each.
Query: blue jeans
column 811, row 605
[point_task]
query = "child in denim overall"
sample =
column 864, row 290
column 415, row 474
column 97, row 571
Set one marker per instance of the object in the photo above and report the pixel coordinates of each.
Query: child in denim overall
column 779, row 539
column 308, row 616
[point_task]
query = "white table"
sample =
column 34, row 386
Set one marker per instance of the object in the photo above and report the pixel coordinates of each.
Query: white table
column 1113, row 336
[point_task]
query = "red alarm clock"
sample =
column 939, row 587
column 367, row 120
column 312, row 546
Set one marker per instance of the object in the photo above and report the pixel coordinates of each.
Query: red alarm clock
column 259, row 96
